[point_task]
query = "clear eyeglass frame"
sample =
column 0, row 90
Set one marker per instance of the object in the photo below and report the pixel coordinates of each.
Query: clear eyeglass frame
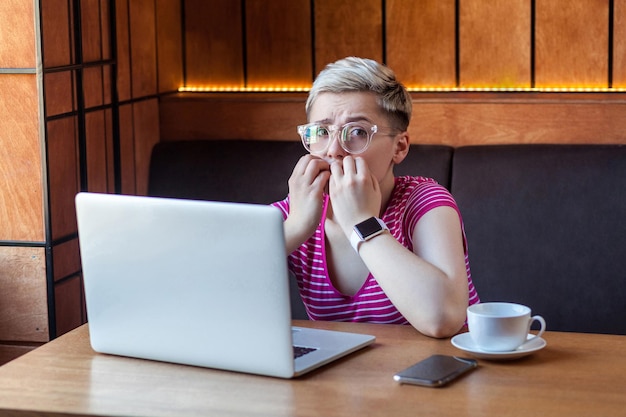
column 349, row 134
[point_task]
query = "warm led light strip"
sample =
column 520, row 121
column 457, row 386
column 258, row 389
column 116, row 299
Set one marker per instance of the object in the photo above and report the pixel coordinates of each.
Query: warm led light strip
column 518, row 89
column 243, row 89
column 411, row 89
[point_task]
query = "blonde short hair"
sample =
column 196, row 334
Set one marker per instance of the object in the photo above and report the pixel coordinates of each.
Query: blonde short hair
column 354, row 74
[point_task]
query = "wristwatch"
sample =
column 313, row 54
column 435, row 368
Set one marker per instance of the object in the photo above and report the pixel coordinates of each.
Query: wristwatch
column 366, row 230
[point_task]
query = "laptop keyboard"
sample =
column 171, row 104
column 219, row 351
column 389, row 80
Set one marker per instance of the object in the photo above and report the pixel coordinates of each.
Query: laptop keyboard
column 301, row 351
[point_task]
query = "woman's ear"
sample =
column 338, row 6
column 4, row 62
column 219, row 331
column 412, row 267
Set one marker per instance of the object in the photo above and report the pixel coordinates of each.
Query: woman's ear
column 401, row 148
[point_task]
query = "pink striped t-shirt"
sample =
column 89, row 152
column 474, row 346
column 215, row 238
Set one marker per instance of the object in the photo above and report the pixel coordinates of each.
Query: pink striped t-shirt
column 411, row 198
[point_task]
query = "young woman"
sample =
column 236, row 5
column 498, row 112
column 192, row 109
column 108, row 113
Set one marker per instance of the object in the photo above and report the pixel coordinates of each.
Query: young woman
column 363, row 244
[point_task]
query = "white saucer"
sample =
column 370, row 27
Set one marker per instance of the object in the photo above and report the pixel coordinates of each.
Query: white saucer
column 464, row 342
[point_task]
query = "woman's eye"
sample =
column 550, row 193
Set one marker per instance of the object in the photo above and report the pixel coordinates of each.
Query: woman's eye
column 358, row 132
column 322, row 132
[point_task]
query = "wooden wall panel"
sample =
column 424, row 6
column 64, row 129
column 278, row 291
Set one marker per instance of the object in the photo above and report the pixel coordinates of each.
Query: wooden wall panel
column 56, row 29
column 146, row 135
column 449, row 119
column 279, row 49
column 496, row 45
column 347, row 28
column 571, row 43
column 69, row 304
column 143, row 48
column 24, row 314
column 96, row 143
column 107, row 82
column 220, row 116
column 213, row 41
column 21, row 183
column 66, row 259
column 17, row 37
column 169, row 45
column 619, row 44
column 421, row 42
column 93, row 86
column 480, row 121
column 63, row 176
column 139, row 132
column 495, row 49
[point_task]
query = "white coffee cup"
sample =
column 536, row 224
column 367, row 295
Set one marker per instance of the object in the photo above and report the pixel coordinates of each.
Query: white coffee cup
column 501, row 327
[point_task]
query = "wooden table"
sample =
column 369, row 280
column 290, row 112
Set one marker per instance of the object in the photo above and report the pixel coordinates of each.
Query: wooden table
column 575, row 375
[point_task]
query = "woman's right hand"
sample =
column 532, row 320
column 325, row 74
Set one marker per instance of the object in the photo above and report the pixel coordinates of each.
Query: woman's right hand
column 307, row 183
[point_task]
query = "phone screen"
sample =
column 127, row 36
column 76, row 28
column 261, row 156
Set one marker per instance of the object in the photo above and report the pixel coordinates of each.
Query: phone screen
column 435, row 371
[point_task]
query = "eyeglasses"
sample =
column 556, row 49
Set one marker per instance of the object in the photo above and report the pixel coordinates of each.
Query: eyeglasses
column 354, row 137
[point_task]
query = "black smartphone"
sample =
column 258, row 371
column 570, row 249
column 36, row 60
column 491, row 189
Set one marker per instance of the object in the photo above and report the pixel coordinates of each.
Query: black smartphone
column 435, row 371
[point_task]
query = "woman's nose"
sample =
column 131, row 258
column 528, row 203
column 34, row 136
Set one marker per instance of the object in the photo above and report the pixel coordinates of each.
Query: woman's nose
column 335, row 151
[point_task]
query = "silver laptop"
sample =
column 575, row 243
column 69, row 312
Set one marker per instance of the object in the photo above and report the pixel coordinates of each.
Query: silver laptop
column 197, row 283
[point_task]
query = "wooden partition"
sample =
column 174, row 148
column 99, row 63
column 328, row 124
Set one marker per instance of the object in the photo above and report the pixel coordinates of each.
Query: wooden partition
column 102, row 79
column 458, row 45
column 79, row 88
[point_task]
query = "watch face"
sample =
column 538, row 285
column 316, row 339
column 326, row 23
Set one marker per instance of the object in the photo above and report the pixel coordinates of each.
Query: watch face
column 369, row 227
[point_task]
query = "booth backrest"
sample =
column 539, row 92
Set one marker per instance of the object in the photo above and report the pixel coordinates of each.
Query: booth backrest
column 546, row 226
column 253, row 171
column 246, row 171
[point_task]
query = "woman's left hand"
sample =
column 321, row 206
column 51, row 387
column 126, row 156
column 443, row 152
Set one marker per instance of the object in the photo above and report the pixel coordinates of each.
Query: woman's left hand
column 354, row 192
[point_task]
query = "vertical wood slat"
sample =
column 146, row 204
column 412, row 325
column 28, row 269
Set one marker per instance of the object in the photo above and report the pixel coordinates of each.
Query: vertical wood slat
column 146, row 134
column 64, row 176
column 169, row 45
column 495, row 48
column 213, row 42
column 138, row 134
column 143, row 48
column 69, row 304
column 66, row 259
column 93, row 86
column 105, row 24
column 278, row 43
column 59, row 87
column 347, row 28
column 123, row 50
column 571, row 43
column 127, row 149
column 619, row 44
column 91, row 38
column 111, row 137
column 107, row 82
column 421, row 42
column 97, row 167
column 56, row 43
